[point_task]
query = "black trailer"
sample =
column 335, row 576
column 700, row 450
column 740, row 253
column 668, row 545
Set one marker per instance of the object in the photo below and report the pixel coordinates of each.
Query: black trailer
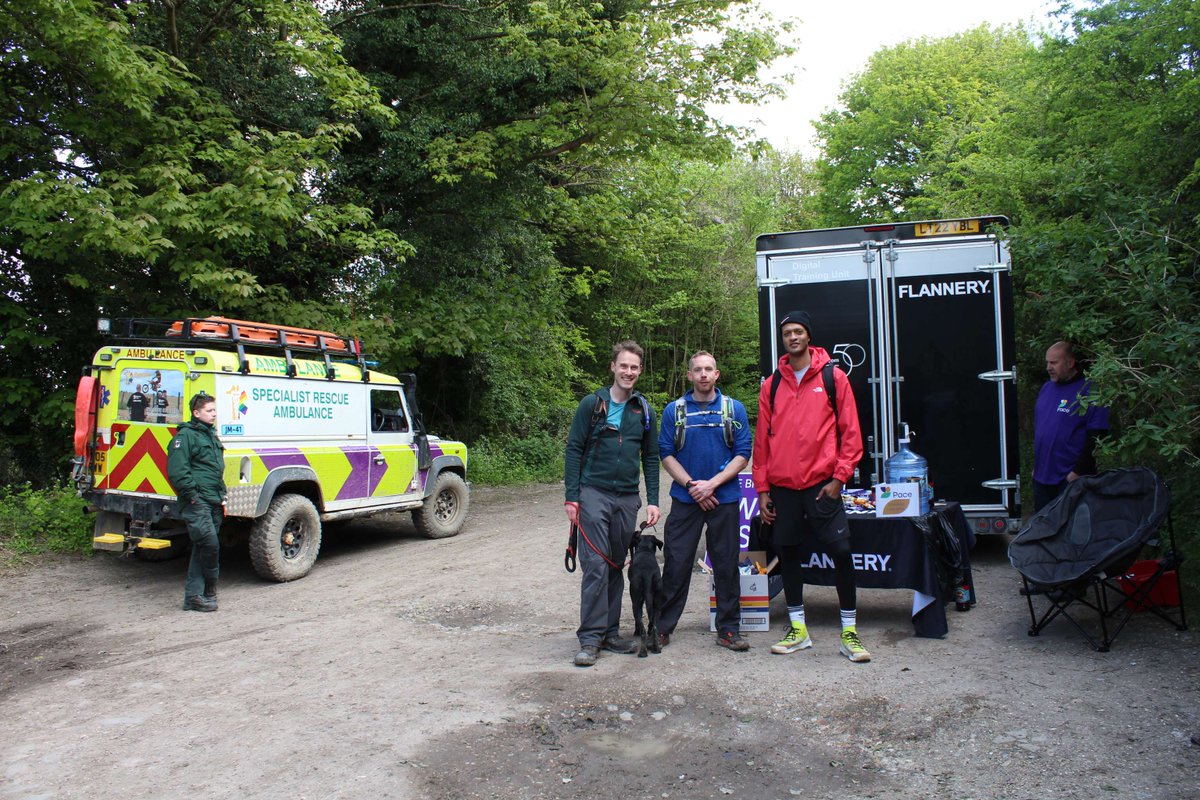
column 919, row 315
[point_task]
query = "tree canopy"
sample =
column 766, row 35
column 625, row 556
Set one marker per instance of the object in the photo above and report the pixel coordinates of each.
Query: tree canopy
column 910, row 125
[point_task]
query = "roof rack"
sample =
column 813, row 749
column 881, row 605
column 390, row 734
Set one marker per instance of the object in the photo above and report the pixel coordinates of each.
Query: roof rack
column 255, row 336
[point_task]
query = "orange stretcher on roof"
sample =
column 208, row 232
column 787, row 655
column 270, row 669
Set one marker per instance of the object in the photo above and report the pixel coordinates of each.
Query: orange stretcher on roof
column 264, row 333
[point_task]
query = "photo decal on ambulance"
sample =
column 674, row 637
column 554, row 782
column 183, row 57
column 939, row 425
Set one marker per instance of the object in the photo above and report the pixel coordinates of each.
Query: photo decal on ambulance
column 151, row 395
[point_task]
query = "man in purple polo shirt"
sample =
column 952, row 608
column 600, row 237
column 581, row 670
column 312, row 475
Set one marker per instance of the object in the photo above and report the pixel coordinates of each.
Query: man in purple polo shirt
column 1064, row 435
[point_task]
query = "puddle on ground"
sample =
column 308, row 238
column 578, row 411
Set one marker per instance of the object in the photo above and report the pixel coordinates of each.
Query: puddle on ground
column 621, row 745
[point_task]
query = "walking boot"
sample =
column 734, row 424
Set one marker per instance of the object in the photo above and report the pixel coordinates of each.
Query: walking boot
column 198, row 602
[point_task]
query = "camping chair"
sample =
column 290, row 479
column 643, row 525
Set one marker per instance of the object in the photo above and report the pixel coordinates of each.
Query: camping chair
column 1081, row 549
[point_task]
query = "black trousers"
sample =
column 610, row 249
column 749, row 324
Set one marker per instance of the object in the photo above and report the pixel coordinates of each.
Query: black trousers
column 805, row 520
column 1044, row 493
column 679, row 549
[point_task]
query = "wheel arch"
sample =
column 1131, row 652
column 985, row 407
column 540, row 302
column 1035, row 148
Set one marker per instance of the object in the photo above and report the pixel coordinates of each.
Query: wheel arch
column 443, row 464
column 290, row 480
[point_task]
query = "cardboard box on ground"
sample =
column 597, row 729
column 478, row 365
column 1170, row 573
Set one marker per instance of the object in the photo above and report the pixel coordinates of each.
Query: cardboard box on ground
column 755, row 597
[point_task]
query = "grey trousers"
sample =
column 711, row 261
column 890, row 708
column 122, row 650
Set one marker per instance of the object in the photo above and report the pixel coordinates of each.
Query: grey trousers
column 608, row 520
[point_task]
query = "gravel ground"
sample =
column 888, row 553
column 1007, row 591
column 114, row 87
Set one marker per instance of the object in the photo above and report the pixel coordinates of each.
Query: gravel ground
column 407, row 668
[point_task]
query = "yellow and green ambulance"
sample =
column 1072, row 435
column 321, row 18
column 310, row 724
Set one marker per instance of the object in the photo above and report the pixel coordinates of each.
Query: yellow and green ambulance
column 311, row 433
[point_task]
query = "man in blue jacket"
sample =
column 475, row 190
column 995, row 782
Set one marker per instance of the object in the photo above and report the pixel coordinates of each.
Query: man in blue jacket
column 613, row 439
column 196, row 468
column 704, row 443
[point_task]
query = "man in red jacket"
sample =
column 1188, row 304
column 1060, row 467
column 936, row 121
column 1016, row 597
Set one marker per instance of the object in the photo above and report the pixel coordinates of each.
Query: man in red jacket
column 804, row 453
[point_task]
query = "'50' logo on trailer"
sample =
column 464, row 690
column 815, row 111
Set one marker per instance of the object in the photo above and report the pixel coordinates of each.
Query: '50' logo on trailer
column 849, row 355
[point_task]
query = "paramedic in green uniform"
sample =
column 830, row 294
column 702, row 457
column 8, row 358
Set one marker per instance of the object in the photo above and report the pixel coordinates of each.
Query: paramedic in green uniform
column 195, row 466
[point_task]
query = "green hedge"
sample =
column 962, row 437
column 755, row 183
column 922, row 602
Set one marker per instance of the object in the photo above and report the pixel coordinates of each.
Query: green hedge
column 34, row 521
column 537, row 458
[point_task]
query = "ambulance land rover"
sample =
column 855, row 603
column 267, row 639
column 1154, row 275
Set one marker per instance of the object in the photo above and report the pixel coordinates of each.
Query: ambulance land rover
column 312, row 434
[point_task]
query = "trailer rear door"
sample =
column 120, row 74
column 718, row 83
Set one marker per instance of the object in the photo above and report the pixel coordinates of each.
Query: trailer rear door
column 920, row 317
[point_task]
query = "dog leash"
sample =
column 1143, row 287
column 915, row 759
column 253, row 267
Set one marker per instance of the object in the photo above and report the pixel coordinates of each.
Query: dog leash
column 569, row 559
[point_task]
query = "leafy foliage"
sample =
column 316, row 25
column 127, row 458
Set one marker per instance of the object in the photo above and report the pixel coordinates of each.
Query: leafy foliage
column 1112, row 245
column 532, row 164
column 157, row 159
column 441, row 179
column 912, row 121
column 511, row 460
column 679, row 266
column 36, row 521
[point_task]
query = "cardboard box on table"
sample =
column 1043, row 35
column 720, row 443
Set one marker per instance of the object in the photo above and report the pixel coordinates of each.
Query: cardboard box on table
column 755, row 598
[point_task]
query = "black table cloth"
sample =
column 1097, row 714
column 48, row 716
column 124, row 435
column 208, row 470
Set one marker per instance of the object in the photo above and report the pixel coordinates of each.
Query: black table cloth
column 896, row 554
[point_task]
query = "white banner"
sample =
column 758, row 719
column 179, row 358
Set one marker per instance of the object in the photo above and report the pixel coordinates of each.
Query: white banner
column 253, row 407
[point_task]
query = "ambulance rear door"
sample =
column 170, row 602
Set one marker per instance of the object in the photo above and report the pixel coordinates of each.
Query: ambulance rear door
column 142, row 400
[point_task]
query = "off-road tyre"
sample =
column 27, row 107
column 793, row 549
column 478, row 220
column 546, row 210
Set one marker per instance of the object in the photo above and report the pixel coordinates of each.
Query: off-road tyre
column 445, row 509
column 285, row 541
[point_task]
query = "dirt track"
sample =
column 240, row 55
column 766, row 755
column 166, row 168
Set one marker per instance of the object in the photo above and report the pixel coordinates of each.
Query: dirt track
column 407, row 668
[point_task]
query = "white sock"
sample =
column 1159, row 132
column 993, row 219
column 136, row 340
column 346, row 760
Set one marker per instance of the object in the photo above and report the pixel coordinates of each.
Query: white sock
column 796, row 614
column 848, row 618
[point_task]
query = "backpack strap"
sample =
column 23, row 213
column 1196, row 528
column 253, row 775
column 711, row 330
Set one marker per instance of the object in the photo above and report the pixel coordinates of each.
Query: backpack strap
column 645, row 411
column 830, row 394
column 776, row 379
column 727, row 421
column 728, row 424
column 599, row 413
column 680, row 423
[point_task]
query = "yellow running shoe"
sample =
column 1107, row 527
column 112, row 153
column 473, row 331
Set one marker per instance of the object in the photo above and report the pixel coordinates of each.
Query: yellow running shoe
column 796, row 639
column 852, row 648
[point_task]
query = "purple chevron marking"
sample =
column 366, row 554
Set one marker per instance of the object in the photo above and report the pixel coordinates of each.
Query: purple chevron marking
column 377, row 472
column 282, row 457
column 360, row 471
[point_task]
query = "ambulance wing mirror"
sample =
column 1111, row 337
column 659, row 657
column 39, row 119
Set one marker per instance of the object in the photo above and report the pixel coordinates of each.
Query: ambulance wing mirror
column 424, row 458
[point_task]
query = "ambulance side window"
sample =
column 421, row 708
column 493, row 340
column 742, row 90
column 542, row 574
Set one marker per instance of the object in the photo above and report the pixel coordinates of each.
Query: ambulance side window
column 387, row 411
column 151, row 395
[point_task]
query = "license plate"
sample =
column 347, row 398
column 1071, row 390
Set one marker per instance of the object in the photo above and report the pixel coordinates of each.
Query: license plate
column 100, row 461
column 951, row 228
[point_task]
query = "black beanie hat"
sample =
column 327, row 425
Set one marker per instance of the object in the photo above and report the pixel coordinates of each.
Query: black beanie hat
column 800, row 318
